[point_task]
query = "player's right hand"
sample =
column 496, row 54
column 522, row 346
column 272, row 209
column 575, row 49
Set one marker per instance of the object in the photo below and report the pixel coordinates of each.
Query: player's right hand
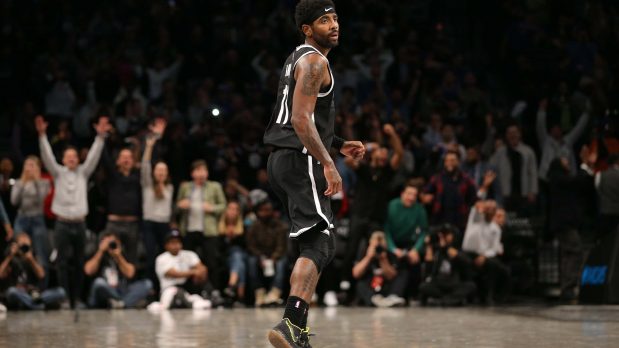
column 334, row 181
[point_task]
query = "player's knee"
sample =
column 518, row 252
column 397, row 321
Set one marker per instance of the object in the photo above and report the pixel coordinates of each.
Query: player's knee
column 321, row 254
column 318, row 258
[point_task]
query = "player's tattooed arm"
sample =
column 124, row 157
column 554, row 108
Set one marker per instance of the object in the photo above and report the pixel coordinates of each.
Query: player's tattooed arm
column 313, row 77
column 310, row 76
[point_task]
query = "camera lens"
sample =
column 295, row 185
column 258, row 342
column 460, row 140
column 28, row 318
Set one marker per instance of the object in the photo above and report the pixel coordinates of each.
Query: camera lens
column 24, row 248
column 113, row 245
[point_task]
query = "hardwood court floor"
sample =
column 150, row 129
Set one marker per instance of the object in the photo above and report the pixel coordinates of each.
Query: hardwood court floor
column 562, row 326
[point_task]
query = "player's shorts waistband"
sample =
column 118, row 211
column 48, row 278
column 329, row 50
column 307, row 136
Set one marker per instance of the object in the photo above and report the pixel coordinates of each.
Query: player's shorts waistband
column 276, row 149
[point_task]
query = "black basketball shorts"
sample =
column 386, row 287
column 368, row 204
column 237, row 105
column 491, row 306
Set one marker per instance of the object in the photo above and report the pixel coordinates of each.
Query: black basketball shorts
column 299, row 182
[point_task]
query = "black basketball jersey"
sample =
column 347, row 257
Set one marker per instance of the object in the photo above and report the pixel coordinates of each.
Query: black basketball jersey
column 280, row 132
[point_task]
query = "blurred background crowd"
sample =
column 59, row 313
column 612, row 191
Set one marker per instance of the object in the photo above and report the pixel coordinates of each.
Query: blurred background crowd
column 133, row 165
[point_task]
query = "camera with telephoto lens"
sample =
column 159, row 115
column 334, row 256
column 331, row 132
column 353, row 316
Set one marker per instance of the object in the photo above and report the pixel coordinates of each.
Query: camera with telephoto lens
column 379, row 249
column 24, row 248
column 380, row 241
column 113, row 245
column 435, row 235
column 435, row 240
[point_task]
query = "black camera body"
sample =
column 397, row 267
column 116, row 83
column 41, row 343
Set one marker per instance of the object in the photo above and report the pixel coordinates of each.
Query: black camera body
column 113, row 245
column 379, row 249
column 435, row 240
column 24, row 248
column 435, row 235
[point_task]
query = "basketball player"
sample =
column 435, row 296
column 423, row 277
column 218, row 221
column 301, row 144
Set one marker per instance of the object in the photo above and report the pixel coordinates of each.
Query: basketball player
column 300, row 169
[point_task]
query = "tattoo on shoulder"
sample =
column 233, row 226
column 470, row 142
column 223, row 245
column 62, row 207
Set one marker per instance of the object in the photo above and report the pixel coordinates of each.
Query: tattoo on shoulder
column 312, row 79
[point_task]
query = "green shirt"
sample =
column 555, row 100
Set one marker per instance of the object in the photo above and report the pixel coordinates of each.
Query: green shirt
column 405, row 228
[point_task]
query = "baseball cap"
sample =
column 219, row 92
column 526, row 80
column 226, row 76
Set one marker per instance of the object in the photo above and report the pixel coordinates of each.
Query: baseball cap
column 173, row 234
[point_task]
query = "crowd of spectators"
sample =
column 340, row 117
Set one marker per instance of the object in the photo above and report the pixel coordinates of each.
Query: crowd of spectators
column 138, row 126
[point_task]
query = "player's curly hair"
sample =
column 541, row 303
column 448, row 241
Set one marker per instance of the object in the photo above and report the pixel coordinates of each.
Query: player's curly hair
column 306, row 9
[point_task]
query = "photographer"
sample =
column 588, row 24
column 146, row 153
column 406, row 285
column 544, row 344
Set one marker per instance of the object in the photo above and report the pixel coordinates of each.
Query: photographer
column 378, row 282
column 447, row 271
column 21, row 272
column 113, row 287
